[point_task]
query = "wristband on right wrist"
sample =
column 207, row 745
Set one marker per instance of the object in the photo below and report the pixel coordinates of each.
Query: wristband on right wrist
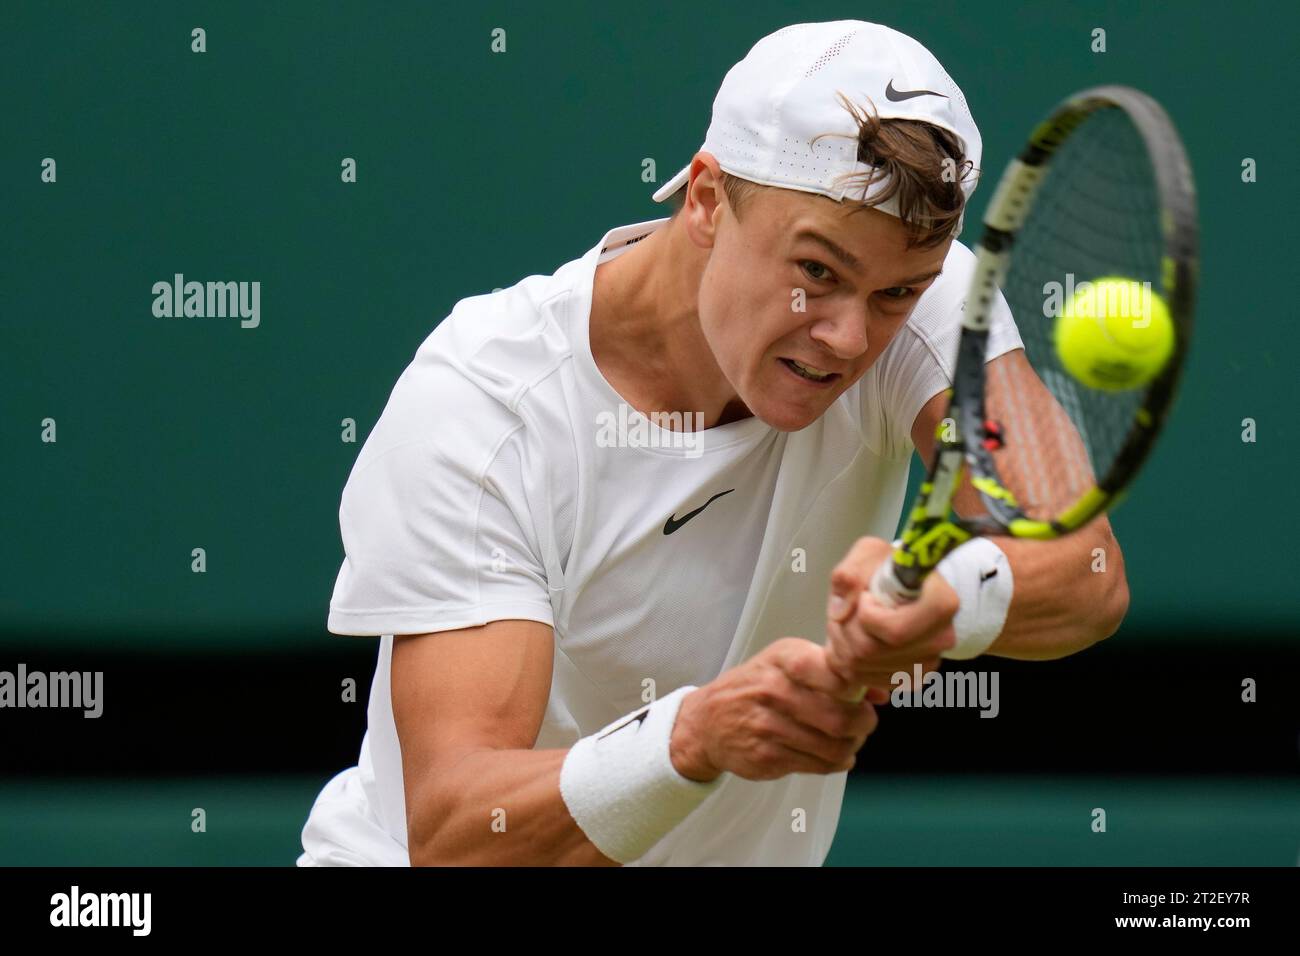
column 981, row 575
column 620, row 784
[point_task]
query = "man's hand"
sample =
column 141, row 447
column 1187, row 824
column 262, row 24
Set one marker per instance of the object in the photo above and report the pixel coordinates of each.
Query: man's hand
column 782, row 711
column 867, row 643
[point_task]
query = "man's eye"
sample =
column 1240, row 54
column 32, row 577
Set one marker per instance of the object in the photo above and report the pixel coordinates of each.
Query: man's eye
column 824, row 273
column 898, row 292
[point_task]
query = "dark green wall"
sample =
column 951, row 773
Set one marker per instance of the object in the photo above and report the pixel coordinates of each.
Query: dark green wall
column 476, row 169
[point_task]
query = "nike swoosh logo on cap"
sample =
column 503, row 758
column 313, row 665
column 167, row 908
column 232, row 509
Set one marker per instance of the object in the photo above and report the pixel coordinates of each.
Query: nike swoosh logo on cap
column 674, row 522
column 898, row 96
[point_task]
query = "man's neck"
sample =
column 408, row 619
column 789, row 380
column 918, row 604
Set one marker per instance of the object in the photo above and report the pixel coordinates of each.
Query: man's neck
column 645, row 330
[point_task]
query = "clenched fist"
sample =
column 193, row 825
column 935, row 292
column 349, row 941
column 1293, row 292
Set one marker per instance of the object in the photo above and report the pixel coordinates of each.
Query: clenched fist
column 782, row 711
column 866, row 642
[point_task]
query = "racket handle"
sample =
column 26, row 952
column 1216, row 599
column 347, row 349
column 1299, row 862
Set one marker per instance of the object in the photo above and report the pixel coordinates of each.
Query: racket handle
column 891, row 592
column 888, row 590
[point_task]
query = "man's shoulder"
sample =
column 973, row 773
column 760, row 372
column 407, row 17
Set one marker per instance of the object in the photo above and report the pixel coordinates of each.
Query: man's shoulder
column 505, row 341
column 465, row 388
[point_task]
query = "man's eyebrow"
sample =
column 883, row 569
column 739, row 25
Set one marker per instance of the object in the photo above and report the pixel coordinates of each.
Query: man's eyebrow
column 919, row 279
column 834, row 248
column 852, row 261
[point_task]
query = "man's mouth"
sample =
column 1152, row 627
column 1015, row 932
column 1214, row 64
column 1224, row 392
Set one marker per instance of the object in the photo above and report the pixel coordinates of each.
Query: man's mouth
column 810, row 373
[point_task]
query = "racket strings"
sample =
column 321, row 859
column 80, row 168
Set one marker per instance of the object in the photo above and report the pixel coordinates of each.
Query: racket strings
column 1052, row 469
column 1096, row 215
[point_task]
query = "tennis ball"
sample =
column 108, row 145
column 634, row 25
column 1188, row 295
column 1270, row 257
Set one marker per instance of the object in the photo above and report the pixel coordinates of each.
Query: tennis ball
column 1114, row 334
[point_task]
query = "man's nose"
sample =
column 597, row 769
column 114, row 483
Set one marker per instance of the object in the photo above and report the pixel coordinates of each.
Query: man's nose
column 844, row 333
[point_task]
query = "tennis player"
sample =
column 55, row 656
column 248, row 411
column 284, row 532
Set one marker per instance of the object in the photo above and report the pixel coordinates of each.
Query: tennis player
column 615, row 525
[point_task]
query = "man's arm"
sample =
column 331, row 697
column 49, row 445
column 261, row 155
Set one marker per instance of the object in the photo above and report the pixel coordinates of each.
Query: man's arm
column 469, row 704
column 1059, row 605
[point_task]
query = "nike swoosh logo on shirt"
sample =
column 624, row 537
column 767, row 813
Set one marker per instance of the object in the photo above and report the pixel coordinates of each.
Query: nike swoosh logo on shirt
column 674, row 522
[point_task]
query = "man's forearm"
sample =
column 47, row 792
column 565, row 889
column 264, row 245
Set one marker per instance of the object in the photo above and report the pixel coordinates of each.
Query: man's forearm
column 1068, row 594
column 498, row 808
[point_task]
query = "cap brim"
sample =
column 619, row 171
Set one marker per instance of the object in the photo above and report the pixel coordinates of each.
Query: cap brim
column 677, row 182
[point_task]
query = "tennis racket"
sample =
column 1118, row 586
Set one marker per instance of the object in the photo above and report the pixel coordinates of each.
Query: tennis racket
column 1102, row 188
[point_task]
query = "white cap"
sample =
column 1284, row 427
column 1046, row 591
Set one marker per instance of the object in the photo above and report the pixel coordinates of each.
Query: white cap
column 783, row 94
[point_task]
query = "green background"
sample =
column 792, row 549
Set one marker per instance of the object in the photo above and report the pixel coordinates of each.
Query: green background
column 886, row 821
column 476, row 169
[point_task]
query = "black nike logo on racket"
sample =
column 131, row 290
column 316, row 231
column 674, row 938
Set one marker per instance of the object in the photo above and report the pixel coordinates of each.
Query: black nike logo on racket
column 898, row 96
column 674, row 522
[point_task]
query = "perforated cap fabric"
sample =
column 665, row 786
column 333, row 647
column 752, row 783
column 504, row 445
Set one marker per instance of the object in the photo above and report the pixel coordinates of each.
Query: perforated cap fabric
column 774, row 106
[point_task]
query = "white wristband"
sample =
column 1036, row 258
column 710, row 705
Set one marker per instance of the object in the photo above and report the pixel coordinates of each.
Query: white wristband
column 981, row 575
column 620, row 784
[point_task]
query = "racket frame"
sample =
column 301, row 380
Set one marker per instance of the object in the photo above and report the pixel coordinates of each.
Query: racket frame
column 963, row 441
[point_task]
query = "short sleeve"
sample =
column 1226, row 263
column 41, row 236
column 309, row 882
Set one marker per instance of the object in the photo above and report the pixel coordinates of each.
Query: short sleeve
column 434, row 518
column 919, row 363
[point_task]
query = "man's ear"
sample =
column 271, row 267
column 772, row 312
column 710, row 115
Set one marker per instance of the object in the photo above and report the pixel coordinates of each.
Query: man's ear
column 704, row 199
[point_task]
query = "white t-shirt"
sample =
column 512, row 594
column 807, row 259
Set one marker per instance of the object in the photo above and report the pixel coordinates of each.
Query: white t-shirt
column 497, row 484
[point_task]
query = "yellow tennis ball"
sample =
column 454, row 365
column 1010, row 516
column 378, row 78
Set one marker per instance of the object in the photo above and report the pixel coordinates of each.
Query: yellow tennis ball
column 1114, row 334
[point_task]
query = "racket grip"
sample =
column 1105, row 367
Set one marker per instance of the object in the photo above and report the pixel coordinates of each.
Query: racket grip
column 891, row 592
column 888, row 590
